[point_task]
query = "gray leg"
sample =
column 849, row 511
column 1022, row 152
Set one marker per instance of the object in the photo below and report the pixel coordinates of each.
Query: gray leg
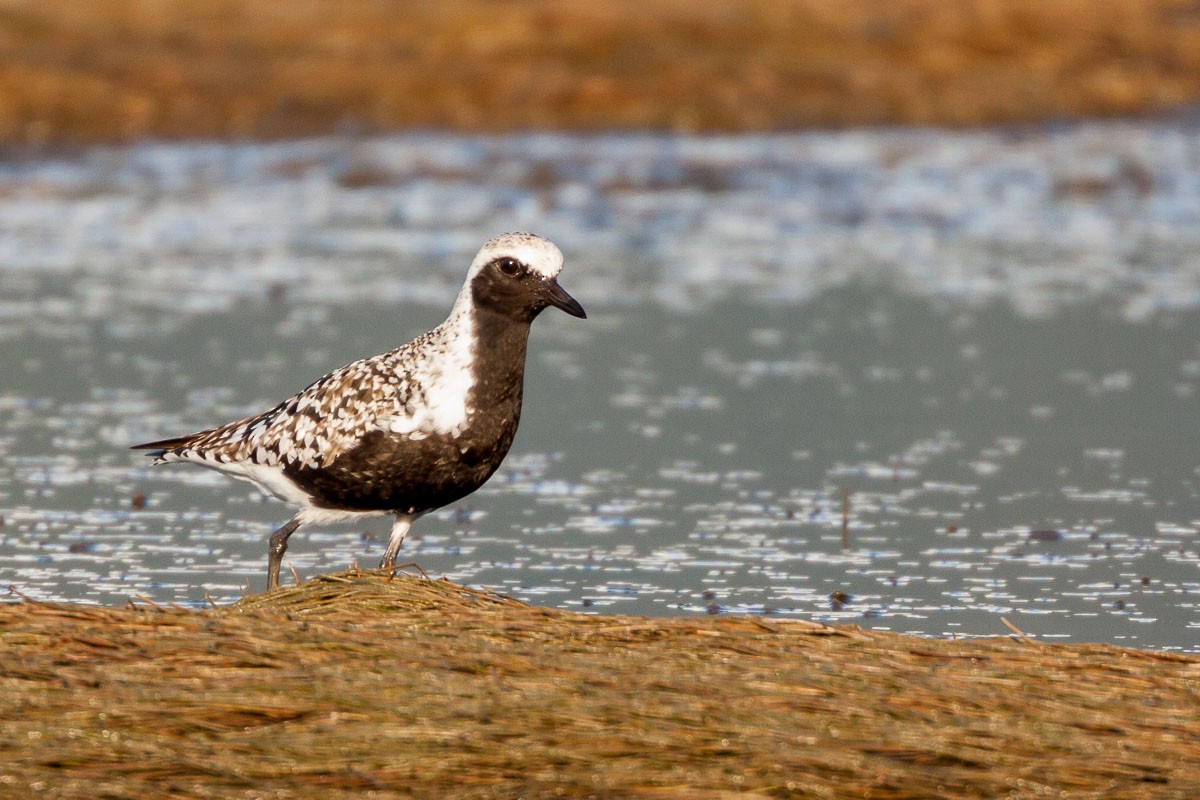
column 277, row 548
column 399, row 531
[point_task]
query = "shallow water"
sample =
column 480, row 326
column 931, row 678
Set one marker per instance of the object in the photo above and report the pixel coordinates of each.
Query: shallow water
column 914, row 380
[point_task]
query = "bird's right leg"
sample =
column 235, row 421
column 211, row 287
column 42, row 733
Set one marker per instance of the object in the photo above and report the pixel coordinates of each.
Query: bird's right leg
column 277, row 548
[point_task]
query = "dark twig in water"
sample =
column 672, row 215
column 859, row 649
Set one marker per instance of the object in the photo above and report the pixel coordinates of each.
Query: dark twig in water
column 845, row 519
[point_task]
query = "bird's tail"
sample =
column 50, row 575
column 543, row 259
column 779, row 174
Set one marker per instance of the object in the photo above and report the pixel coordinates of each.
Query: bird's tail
column 159, row 448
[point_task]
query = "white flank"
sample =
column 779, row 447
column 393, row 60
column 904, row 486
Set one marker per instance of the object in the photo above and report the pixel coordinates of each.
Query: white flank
column 445, row 376
column 270, row 480
column 446, row 393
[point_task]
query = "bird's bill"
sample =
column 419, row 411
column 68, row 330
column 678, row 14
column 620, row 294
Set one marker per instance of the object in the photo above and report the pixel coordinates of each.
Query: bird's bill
column 558, row 297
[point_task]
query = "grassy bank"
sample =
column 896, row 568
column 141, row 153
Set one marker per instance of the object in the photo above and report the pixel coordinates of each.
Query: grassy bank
column 127, row 69
column 352, row 684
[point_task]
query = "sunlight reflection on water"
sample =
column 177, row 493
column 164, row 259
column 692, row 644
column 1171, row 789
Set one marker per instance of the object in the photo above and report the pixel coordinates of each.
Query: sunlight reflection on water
column 990, row 340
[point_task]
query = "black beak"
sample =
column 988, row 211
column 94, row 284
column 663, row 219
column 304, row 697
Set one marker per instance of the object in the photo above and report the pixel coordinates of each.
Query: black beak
column 558, row 297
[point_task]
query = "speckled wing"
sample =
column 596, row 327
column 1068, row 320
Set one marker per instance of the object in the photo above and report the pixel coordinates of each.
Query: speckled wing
column 311, row 428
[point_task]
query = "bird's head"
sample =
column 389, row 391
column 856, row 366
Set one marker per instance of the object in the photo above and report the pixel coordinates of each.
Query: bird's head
column 516, row 274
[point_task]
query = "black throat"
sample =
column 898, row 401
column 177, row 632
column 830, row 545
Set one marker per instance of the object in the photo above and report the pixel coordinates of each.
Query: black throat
column 499, row 368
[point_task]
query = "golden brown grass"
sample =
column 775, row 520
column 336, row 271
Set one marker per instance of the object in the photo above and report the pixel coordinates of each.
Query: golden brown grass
column 353, row 683
column 125, row 69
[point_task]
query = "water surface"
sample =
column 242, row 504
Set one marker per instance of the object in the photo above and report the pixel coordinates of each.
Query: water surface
column 914, row 380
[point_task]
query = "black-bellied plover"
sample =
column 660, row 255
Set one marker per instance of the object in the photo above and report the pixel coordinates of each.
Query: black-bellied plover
column 404, row 432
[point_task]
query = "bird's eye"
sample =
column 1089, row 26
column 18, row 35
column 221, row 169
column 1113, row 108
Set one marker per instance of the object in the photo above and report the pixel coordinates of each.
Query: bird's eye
column 510, row 267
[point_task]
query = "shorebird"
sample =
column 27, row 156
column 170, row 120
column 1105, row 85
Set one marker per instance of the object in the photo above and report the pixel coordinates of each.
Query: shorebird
column 404, row 432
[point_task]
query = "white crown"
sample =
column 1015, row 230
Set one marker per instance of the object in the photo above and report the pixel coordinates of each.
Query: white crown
column 538, row 254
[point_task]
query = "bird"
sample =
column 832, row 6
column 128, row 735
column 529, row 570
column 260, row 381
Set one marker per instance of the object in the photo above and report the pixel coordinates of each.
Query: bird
column 404, row 432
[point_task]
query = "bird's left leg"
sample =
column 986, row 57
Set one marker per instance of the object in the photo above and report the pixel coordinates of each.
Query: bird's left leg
column 399, row 531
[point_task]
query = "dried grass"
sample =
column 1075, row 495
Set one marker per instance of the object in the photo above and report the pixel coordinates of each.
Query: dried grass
column 123, row 70
column 357, row 683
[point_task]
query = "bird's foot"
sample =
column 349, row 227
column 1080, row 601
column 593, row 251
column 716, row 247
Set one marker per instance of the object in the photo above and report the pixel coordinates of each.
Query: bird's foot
column 392, row 569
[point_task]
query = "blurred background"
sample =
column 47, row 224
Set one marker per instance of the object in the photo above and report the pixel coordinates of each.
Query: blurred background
column 894, row 308
column 124, row 70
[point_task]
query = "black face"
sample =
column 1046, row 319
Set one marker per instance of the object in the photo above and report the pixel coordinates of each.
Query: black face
column 508, row 287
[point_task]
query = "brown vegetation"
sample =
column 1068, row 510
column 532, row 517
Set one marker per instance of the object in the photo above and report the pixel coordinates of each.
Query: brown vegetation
column 126, row 69
column 354, row 684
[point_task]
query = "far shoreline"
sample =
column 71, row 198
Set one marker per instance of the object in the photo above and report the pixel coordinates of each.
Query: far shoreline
column 84, row 74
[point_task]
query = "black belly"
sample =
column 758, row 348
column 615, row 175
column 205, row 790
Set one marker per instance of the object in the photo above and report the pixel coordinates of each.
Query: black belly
column 385, row 472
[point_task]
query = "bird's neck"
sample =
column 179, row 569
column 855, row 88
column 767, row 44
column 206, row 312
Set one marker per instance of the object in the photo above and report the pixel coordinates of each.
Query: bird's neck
column 498, row 360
